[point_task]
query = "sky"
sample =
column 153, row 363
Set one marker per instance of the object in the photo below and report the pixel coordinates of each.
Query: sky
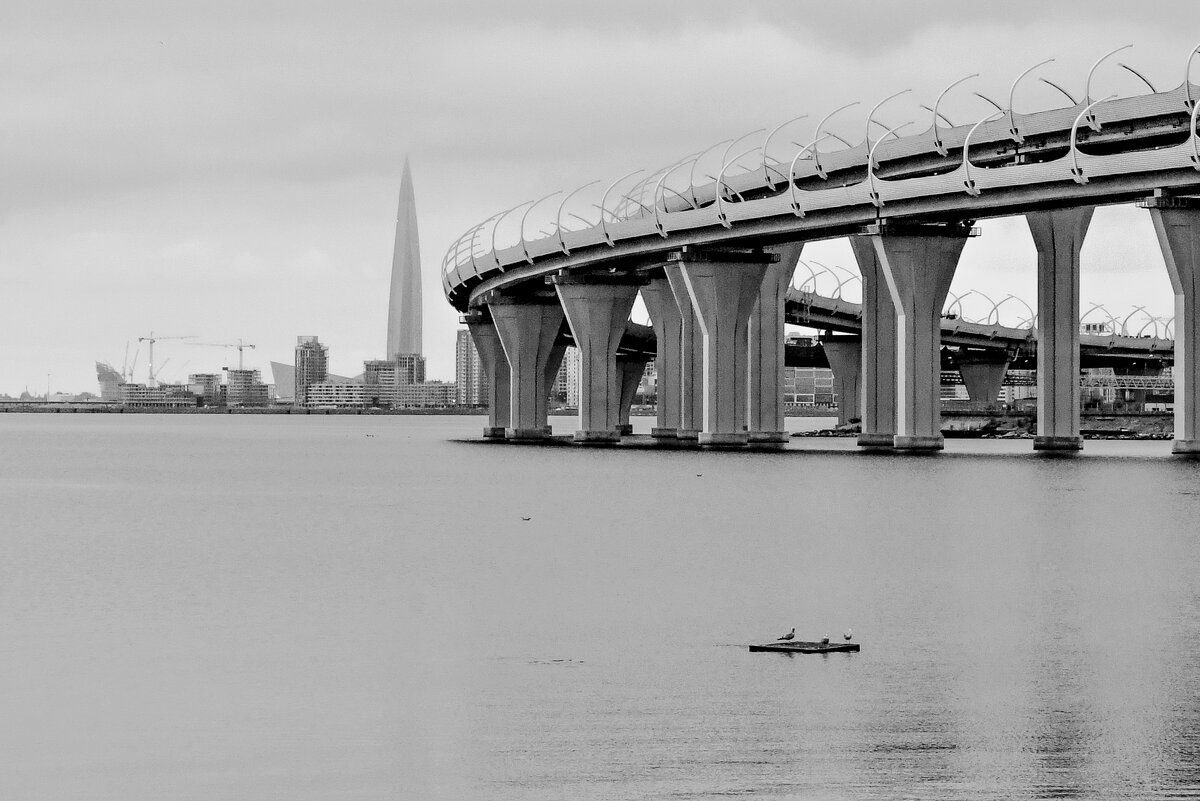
column 230, row 170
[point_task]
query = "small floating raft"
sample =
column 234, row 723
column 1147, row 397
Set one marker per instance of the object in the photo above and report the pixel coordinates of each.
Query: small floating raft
column 789, row 647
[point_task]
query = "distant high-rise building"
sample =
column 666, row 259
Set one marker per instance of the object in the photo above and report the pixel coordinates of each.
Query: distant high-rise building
column 312, row 365
column 469, row 374
column 110, row 382
column 410, row 368
column 404, row 307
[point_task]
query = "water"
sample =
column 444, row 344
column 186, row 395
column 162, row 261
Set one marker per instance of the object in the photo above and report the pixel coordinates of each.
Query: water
column 353, row 608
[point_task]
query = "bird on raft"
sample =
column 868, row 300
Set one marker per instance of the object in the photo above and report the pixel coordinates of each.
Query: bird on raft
column 848, row 635
column 790, row 634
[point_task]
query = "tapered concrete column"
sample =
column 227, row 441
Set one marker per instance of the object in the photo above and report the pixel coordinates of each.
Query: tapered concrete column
column 549, row 377
column 845, row 355
column 630, row 367
column 878, row 393
column 765, row 342
column 723, row 286
column 597, row 311
column 691, row 361
column 1058, row 236
column 983, row 374
column 919, row 264
column 665, row 317
column 1177, row 223
column 527, row 331
column 495, row 365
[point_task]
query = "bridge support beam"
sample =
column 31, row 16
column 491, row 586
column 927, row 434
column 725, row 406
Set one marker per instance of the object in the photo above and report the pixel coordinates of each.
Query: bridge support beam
column 845, row 355
column 765, row 341
column 878, row 372
column 495, row 365
column 723, row 286
column 691, row 363
column 630, row 369
column 668, row 324
column 919, row 264
column 1058, row 236
column 983, row 374
column 528, row 329
column 1177, row 223
column 597, row 311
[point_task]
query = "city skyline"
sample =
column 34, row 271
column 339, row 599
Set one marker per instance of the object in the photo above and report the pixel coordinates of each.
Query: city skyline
column 265, row 210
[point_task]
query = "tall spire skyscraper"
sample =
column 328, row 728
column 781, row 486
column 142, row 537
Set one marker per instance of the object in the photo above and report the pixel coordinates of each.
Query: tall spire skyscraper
column 404, row 306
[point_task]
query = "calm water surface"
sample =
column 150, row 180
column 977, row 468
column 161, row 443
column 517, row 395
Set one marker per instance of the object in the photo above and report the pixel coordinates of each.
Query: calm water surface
column 353, row 608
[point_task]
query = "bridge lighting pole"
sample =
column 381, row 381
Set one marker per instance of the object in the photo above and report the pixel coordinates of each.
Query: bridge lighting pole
column 1087, row 89
column 1128, row 317
column 938, row 145
column 767, row 145
column 818, row 137
column 1012, row 123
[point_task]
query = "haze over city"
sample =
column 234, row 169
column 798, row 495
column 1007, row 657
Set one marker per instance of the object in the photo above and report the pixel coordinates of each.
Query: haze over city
column 231, row 171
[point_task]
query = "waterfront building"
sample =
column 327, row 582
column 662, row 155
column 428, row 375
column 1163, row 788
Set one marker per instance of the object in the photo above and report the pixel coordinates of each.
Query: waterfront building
column 468, row 372
column 429, row 395
column 312, row 366
column 410, row 368
column 245, row 388
column 163, row 396
column 330, row 394
column 110, row 382
column 206, row 386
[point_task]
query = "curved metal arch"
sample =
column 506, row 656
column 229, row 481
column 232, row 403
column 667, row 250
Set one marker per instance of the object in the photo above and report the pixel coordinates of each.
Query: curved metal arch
column 968, row 181
column 1128, row 317
column 796, row 209
column 1169, row 328
column 604, row 205
column 1154, row 321
column 562, row 244
column 1012, row 92
column 658, row 189
column 496, row 225
column 733, row 143
column 871, row 118
column 1195, row 137
column 871, row 163
column 1087, row 87
column 942, row 116
column 721, row 184
column 1143, row 78
column 1064, row 92
column 767, row 144
column 813, row 276
column 1112, row 320
column 474, row 236
column 1028, row 308
column 525, row 216
column 692, row 173
column 1076, row 171
column 818, row 137
column 937, row 136
column 946, row 310
column 1187, row 78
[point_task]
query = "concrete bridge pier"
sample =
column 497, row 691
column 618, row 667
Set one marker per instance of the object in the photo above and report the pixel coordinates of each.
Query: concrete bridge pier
column 845, row 355
column 597, row 309
column 528, row 328
column 878, row 371
column 691, row 362
column 1058, row 236
column 549, row 376
column 1177, row 223
column 667, row 322
column 723, row 286
column 919, row 264
column 491, row 355
column 630, row 369
column 983, row 374
column 765, row 422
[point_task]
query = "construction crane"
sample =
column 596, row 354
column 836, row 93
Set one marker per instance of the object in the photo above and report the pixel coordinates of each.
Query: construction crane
column 240, row 345
column 152, row 339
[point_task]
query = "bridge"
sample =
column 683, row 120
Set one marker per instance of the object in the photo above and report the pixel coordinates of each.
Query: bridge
column 711, row 246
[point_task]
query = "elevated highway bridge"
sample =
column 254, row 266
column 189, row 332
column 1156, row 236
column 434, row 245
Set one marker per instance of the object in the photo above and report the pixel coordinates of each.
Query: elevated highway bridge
column 711, row 244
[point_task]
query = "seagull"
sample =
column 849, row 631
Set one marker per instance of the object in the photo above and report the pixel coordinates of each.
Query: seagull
column 790, row 634
column 848, row 635
column 526, row 518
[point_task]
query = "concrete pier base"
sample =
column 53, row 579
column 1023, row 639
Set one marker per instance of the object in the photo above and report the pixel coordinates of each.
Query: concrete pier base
column 630, row 369
column 664, row 433
column 1186, row 447
column 1047, row 443
column 768, row 439
column 845, row 357
column 878, row 394
column 1058, row 236
column 918, row 443
column 528, row 329
column 723, row 285
column 918, row 262
column 597, row 310
column 493, row 432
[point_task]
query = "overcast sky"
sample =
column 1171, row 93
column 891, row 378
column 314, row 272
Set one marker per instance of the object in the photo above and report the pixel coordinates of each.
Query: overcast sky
column 230, row 169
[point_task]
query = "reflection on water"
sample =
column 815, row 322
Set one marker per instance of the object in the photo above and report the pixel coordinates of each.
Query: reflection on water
column 253, row 607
